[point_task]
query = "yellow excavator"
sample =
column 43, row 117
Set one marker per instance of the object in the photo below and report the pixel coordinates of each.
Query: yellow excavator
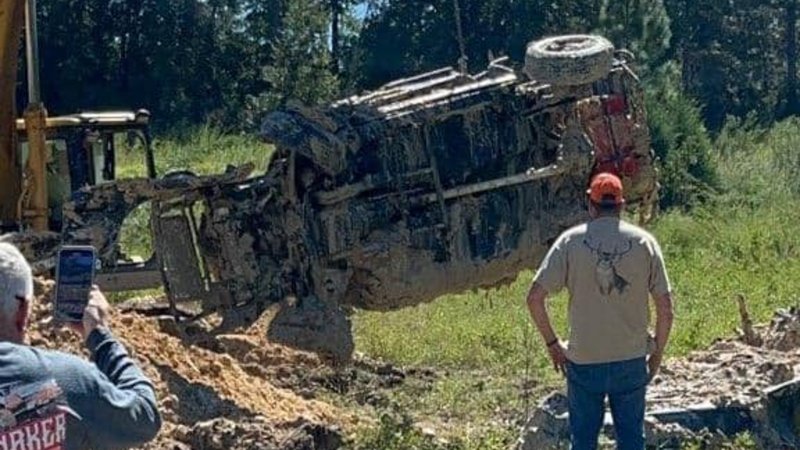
column 45, row 161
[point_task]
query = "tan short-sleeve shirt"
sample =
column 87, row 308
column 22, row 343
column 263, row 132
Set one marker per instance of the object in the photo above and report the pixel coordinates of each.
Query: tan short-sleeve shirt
column 610, row 268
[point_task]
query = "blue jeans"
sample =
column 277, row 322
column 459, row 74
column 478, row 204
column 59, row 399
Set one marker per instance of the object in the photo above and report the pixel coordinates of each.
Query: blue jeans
column 625, row 383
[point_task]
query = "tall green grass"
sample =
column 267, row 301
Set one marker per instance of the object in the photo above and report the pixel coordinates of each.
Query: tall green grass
column 205, row 150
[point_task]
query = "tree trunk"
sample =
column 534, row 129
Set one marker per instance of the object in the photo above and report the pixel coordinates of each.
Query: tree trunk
column 686, row 41
column 336, row 6
column 791, row 58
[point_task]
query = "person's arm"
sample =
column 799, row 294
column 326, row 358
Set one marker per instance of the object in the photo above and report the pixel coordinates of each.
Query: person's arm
column 123, row 410
column 660, row 290
column 126, row 400
column 537, row 306
column 550, row 278
column 664, row 316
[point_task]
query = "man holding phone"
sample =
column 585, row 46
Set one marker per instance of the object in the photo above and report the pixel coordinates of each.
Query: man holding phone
column 59, row 401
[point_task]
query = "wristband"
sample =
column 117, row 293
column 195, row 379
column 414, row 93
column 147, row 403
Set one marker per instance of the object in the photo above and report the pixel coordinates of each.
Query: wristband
column 551, row 343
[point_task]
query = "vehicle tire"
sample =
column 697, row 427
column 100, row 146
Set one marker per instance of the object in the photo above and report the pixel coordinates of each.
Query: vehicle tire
column 180, row 173
column 569, row 60
column 179, row 178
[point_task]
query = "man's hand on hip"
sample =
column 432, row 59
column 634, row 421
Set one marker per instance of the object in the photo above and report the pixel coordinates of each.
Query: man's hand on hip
column 559, row 357
column 653, row 365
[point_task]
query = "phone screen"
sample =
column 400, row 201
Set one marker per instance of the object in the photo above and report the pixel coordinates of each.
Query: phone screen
column 74, row 279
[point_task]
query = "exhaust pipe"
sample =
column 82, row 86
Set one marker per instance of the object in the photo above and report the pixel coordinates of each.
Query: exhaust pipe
column 32, row 53
column 35, row 184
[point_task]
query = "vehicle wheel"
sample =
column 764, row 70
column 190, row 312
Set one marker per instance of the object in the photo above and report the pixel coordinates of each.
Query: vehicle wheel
column 569, row 60
column 179, row 177
column 179, row 173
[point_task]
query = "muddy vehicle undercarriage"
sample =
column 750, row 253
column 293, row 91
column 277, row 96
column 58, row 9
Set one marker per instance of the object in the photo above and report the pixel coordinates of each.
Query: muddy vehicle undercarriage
column 434, row 184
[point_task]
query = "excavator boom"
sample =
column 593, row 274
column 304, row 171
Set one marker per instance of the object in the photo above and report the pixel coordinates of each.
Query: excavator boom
column 23, row 200
column 12, row 20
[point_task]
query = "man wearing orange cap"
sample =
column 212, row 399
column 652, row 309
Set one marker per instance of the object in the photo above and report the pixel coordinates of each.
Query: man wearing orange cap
column 611, row 269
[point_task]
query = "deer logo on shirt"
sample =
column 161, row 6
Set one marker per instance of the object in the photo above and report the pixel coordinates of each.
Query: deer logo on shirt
column 606, row 275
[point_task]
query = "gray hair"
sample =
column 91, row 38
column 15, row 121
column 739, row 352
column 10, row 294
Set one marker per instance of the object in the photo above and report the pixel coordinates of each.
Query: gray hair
column 16, row 279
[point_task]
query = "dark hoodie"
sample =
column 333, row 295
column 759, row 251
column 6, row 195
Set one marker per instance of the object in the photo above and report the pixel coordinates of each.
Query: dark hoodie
column 56, row 401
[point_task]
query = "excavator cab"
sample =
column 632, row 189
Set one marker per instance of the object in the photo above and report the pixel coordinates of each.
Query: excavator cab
column 81, row 150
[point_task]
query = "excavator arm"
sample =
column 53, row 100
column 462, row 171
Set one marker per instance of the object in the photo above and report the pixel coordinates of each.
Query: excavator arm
column 12, row 20
column 23, row 200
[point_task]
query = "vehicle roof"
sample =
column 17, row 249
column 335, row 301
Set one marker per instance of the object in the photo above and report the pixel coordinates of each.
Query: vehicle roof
column 102, row 119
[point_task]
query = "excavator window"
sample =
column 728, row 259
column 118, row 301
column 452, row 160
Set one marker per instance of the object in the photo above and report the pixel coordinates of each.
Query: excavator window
column 91, row 158
column 76, row 158
column 58, row 177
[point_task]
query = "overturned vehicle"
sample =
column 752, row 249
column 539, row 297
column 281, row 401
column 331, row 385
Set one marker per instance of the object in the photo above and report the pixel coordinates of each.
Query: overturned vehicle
column 429, row 185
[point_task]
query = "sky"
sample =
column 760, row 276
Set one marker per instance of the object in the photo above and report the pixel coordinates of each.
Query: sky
column 360, row 10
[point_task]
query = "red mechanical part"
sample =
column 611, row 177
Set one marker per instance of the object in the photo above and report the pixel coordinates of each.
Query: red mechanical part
column 630, row 166
column 615, row 105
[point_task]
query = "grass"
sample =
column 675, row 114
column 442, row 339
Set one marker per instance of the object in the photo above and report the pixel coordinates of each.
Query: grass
column 205, row 151
column 491, row 363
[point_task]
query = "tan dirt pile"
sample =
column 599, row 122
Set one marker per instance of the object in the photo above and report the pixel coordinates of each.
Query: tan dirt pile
column 215, row 392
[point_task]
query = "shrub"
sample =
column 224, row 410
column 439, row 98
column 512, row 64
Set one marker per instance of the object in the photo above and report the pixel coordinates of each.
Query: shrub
column 681, row 143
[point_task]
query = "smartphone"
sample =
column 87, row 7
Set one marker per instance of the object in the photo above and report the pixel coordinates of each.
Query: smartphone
column 74, row 279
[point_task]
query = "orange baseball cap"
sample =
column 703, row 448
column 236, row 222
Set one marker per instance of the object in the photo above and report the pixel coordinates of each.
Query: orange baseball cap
column 605, row 185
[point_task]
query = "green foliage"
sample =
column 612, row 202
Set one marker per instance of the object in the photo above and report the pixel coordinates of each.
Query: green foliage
column 642, row 27
column 398, row 433
column 191, row 61
column 760, row 166
column 680, row 141
column 731, row 55
column 185, row 60
column 301, row 69
column 743, row 441
column 402, row 38
column 205, row 150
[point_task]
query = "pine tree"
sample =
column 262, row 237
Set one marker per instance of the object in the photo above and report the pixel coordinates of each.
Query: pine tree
column 641, row 26
column 301, row 62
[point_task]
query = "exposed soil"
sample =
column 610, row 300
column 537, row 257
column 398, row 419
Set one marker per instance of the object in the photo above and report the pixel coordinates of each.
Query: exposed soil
column 239, row 391
column 225, row 392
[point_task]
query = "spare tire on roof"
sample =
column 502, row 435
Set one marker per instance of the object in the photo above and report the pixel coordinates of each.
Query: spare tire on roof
column 569, row 60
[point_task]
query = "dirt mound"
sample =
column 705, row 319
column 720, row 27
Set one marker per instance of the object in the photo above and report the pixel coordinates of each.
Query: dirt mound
column 215, row 392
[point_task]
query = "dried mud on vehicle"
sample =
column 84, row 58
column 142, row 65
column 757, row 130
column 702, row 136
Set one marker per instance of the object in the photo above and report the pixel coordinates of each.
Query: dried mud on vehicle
column 435, row 184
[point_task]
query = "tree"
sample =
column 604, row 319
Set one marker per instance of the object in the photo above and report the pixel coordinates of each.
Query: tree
column 791, row 105
column 728, row 53
column 642, row 26
column 338, row 10
column 405, row 37
column 301, row 62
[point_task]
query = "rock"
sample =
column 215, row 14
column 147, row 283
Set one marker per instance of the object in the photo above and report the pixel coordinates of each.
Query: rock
column 548, row 426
